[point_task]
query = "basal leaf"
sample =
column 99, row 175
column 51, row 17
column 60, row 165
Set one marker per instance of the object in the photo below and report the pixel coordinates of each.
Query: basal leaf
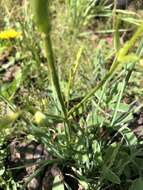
column 111, row 176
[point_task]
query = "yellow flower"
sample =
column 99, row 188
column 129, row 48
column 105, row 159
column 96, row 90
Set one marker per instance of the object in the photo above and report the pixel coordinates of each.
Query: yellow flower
column 9, row 34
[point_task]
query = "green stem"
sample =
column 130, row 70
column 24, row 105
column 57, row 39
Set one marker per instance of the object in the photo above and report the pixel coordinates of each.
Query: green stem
column 55, row 79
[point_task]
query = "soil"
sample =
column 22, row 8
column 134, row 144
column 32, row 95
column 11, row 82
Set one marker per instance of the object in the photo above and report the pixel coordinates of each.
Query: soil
column 137, row 124
column 30, row 155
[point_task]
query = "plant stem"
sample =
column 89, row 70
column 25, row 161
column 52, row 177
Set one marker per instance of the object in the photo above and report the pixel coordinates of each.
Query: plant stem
column 54, row 75
column 55, row 79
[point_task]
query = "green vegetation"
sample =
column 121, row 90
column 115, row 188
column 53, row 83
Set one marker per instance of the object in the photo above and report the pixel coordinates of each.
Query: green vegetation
column 71, row 80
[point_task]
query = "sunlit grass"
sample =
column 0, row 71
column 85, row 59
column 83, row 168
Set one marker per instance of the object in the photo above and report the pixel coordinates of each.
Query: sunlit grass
column 84, row 120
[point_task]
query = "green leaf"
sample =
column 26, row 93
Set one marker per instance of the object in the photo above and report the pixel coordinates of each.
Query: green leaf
column 123, row 107
column 16, row 83
column 85, row 159
column 8, row 90
column 110, row 154
column 2, row 171
column 111, row 176
column 58, row 184
column 96, row 147
column 129, row 136
column 137, row 184
column 94, row 119
column 97, row 151
column 9, row 119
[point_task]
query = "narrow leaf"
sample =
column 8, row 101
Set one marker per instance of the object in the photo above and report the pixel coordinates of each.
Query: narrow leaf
column 111, row 176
